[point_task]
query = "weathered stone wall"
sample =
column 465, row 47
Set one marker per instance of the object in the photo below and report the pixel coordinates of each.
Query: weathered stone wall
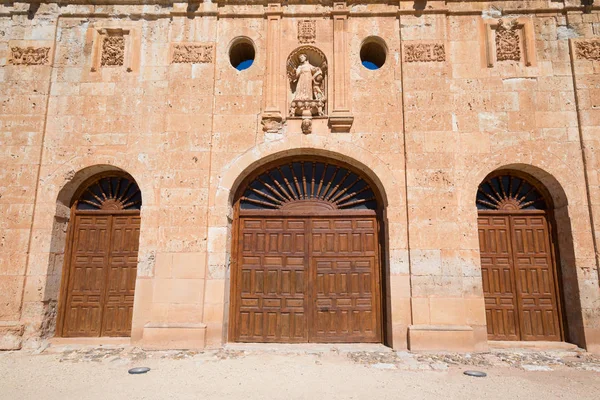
column 457, row 98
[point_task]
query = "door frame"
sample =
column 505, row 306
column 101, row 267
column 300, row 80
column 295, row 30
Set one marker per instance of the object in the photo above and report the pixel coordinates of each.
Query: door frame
column 235, row 238
column 70, row 237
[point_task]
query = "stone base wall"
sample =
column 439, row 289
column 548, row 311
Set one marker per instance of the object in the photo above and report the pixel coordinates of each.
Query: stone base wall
column 467, row 88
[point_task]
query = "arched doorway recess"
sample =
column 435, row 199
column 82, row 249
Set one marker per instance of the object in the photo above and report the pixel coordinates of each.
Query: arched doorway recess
column 98, row 281
column 306, row 263
column 518, row 258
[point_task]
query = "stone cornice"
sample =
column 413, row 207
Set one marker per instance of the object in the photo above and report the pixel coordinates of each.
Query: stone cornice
column 153, row 9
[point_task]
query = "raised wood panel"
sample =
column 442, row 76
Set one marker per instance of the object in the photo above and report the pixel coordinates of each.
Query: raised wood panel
column 498, row 279
column 535, row 278
column 102, row 273
column 271, row 291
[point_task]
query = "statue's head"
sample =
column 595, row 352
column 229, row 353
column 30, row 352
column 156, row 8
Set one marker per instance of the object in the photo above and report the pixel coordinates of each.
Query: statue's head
column 302, row 57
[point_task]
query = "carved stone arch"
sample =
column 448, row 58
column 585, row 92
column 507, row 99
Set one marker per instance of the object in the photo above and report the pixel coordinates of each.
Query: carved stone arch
column 507, row 190
column 311, row 184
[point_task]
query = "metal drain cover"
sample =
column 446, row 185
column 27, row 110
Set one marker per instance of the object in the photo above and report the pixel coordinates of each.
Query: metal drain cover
column 138, row 370
column 477, row 374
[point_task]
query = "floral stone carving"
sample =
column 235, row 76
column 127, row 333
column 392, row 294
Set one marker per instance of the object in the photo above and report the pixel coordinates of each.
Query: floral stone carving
column 192, row 53
column 307, row 31
column 113, row 51
column 588, row 50
column 508, row 42
column 29, row 55
column 424, row 52
column 307, row 73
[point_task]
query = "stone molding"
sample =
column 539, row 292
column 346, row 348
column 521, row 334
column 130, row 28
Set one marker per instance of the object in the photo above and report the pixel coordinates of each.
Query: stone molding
column 340, row 119
column 271, row 103
column 511, row 40
column 115, row 47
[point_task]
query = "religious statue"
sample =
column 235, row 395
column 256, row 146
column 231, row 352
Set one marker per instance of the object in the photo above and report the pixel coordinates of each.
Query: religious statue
column 305, row 79
column 308, row 83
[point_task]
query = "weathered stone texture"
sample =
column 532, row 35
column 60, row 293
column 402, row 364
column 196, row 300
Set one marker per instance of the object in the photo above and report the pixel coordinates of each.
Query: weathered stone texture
column 427, row 127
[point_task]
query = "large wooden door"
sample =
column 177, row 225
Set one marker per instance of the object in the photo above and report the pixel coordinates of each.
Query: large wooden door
column 307, row 265
column 517, row 261
column 101, row 270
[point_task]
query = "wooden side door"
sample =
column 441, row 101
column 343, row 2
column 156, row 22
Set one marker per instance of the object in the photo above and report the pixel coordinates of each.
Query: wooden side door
column 535, row 278
column 86, row 284
column 497, row 272
column 120, row 276
column 272, row 279
column 345, row 281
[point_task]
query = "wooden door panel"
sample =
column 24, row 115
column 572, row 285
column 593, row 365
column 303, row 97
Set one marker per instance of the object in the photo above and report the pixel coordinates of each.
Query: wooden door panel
column 344, row 271
column 121, row 276
column 85, row 288
column 534, row 270
column 498, row 278
column 271, row 292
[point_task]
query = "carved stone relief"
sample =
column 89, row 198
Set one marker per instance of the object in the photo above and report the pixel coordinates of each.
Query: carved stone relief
column 307, row 74
column 193, row 53
column 271, row 125
column 113, row 51
column 29, row 55
column 306, row 125
column 508, row 46
column 307, row 31
column 424, row 52
column 588, row 50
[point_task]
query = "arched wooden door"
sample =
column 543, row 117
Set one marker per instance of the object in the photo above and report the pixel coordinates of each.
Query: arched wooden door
column 101, row 259
column 520, row 281
column 306, row 264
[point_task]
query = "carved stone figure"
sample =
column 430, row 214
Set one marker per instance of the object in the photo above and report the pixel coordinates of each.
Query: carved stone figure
column 29, row 55
column 113, row 51
column 308, row 82
column 306, row 125
column 507, row 42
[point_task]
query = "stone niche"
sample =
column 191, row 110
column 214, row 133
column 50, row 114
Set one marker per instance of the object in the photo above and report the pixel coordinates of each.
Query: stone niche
column 307, row 75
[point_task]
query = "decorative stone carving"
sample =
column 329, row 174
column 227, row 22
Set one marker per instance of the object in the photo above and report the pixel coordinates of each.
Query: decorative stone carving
column 588, row 50
column 29, row 55
column 508, row 46
column 193, row 53
column 306, row 125
column 307, row 73
column 307, row 31
column 113, row 51
column 424, row 52
column 272, row 125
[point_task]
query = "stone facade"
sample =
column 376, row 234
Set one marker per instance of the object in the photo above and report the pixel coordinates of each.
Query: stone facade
column 466, row 88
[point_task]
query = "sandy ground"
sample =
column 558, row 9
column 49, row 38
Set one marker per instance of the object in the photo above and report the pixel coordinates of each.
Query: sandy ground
column 233, row 374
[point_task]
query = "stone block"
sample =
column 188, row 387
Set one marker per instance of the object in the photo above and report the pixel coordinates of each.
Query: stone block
column 181, row 336
column 456, row 338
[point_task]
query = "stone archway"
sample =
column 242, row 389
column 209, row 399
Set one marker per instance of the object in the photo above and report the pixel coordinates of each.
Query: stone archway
column 306, row 258
column 100, row 261
column 522, row 283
